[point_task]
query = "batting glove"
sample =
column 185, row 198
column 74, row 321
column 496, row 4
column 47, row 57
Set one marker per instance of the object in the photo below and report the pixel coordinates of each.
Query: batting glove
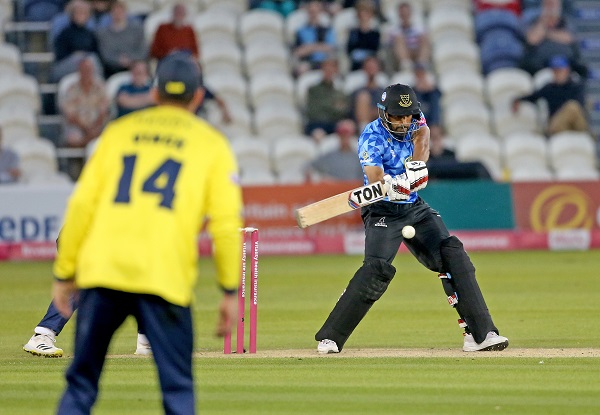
column 398, row 187
column 417, row 174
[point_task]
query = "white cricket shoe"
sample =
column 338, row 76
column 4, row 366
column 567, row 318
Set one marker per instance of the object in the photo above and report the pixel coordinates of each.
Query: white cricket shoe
column 492, row 342
column 43, row 345
column 327, row 346
column 143, row 349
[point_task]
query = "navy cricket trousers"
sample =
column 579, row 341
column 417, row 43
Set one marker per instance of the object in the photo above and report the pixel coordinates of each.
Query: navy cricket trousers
column 168, row 328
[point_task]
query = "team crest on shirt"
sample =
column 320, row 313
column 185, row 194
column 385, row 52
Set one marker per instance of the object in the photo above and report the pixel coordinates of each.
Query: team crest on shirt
column 405, row 101
column 365, row 156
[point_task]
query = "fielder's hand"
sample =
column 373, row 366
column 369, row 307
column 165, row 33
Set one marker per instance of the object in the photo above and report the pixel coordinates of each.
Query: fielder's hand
column 417, row 174
column 64, row 293
column 227, row 315
column 399, row 187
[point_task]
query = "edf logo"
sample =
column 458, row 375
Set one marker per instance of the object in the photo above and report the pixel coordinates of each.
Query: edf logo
column 28, row 228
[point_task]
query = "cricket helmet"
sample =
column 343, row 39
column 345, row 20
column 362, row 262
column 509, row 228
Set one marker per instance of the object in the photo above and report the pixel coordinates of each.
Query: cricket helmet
column 399, row 100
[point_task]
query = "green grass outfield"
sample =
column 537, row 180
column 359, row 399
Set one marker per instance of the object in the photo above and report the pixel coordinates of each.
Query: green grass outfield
column 404, row 358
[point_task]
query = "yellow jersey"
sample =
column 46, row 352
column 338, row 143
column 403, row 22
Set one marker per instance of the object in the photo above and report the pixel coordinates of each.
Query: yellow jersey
column 133, row 219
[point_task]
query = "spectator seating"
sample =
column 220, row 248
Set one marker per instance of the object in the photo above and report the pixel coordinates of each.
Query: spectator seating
column 17, row 124
column 526, row 155
column 253, row 158
column 572, row 155
column 222, row 57
column 468, row 116
column 38, row 161
column 259, row 25
column 291, row 156
column 10, row 60
column 456, row 54
column 266, row 58
column 214, row 25
column 358, row 79
column 450, row 23
column 20, row 92
column 483, row 148
column 272, row 122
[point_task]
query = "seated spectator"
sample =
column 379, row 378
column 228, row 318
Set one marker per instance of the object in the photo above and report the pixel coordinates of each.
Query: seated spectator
column 63, row 19
column 548, row 36
column 101, row 12
column 42, row 10
column 365, row 99
column 443, row 165
column 565, row 98
column 136, row 94
column 326, row 104
column 85, row 111
column 363, row 40
column 74, row 42
column 342, row 163
column 283, row 7
column 9, row 164
column 175, row 36
column 346, row 4
column 428, row 94
column 121, row 43
column 409, row 43
column 314, row 42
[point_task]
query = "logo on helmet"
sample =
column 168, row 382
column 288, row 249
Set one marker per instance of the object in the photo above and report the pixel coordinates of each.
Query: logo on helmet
column 383, row 96
column 405, row 101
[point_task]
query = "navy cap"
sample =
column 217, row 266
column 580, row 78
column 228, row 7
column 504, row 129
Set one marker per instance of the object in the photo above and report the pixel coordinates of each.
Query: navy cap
column 178, row 77
column 559, row 61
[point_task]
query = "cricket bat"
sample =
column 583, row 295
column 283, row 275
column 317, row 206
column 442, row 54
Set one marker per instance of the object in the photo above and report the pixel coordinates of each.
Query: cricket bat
column 339, row 204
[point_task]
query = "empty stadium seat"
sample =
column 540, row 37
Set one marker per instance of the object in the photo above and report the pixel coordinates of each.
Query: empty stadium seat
column 37, row 158
column 10, row 60
column 526, row 119
column 17, row 124
column 265, row 57
column 572, row 151
column 526, row 151
column 460, row 85
column 231, row 87
column 221, row 56
column 503, row 85
column 291, row 156
column 358, row 79
column 216, row 24
column 253, row 157
column 272, row 122
column 20, row 91
column 260, row 25
column 449, row 55
column 482, row 148
column 467, row 116
column 272, row 89
column 450, row 23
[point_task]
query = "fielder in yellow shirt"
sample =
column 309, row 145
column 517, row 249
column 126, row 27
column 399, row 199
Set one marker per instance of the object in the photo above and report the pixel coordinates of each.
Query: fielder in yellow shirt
column 129, row 240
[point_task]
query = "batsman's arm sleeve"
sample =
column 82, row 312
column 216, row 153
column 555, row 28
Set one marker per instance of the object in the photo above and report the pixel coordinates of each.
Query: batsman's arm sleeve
column 224, row 211
column 421, row 144
column 80, row 213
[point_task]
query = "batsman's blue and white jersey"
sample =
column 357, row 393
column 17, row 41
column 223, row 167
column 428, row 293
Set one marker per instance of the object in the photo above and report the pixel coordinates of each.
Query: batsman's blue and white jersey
column 377, row 147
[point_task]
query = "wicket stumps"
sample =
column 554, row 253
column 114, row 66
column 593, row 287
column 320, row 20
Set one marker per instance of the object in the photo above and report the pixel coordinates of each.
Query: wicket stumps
column 253, row 233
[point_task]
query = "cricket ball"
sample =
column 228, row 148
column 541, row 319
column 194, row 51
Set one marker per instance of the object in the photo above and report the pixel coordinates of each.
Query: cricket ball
column 408, row 232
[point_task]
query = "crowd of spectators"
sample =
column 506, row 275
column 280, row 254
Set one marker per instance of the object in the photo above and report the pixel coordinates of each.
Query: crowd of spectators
column 100, row 38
